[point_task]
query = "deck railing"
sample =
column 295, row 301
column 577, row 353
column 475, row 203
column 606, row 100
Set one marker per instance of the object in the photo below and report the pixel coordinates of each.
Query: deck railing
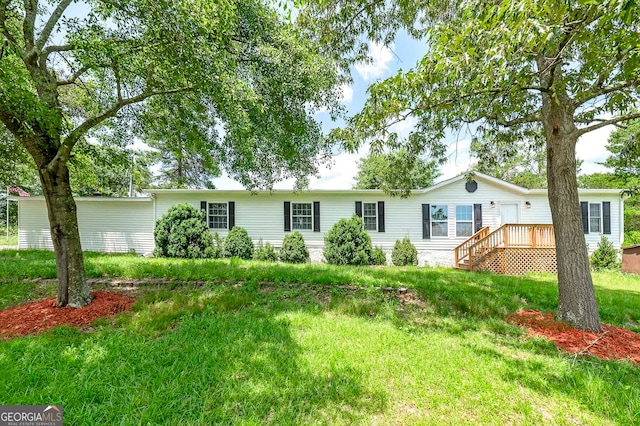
column 512, row 235
column 462, row 251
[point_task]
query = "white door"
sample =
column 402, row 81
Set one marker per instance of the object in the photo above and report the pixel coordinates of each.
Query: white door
column 509, row 213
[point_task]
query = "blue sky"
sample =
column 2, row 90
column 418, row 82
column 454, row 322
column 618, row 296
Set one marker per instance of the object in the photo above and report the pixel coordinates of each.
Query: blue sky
column 387, row 61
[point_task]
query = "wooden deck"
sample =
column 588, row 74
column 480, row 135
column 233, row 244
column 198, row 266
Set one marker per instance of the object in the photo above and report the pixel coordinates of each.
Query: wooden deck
column 512, row 249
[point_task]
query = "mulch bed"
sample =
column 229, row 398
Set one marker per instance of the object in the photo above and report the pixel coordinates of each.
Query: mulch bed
column 612, row 343
column 36, row 317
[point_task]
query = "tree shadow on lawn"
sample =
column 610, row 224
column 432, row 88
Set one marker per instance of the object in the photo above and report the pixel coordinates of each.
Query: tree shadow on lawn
column 606, row 388
column 223, row 367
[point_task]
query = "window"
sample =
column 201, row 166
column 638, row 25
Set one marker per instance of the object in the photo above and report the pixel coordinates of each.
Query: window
column 464, row 221
column 594, row 217
column 218, row 215
column 369, row 216
column 439, row 218
column 301, row 216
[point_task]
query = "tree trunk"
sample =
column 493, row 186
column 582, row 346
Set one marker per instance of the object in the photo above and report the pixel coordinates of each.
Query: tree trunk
column 577, row 304
column 72, row 285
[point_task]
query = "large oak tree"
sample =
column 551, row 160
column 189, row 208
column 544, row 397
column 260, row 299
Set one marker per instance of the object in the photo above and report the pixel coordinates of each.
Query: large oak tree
column 569, row 66
column 69, row 69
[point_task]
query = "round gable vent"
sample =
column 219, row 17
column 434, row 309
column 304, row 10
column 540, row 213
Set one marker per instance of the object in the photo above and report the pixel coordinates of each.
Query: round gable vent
column 471, row 186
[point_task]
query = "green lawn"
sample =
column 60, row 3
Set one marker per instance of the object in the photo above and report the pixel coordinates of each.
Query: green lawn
column 242, row 342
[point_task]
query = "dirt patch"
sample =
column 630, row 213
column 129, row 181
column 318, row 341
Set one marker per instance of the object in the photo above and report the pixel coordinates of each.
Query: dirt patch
column 612, row 343
column 36, row 317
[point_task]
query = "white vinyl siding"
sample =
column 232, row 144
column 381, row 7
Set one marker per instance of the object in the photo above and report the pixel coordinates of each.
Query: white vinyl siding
column 370, row 216
column 439, row 220
column 595, row 217
column 218, row 216
column 464, row 221
column 301, row 216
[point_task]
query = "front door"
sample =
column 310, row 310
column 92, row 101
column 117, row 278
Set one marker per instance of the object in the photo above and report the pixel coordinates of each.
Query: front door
column 509, row 213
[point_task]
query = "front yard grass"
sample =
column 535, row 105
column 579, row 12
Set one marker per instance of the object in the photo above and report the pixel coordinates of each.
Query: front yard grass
column 230, row 342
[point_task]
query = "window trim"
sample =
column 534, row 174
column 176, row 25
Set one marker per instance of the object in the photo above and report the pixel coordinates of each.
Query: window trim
column 471, row 221
column 599, row 231
column 210, row 222
column 375, row 211
column 431, row 206
column 293, row 223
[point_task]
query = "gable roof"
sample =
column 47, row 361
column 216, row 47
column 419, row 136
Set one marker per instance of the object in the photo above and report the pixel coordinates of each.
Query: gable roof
column 487, row 178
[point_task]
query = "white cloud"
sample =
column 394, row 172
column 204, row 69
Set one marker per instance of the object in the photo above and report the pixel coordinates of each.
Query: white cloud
column 347, row 94
column 592, row 148
column 458, row 160
column 381, row 57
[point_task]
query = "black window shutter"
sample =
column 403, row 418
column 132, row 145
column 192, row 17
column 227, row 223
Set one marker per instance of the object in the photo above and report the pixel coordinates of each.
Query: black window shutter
column 316, row 216
column 477, row 217
column 287, row 216
column 584, row 208
column 606, row 217
column 426, row 217
column 359, row 208
column 232, row 214
column 380, row 216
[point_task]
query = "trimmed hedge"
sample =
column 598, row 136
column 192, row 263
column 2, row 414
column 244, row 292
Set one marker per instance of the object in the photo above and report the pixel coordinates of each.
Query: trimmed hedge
column 238, row 244
column 605, row 256
column 183, row 232
column 293, row 249
column 378, row 257
column 347, row 243
column 404, row 253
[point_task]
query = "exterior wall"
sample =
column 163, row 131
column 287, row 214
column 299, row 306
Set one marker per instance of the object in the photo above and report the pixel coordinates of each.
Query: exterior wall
column 108, row 225
column 122, row 225
column 262, row 214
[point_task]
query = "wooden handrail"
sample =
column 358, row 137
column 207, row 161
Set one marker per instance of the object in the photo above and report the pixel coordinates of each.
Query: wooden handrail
column 512, row 235
column 462, row 250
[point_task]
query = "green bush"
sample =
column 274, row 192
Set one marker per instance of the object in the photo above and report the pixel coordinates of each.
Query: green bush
column 238, row 244
column 183, row 232
column 631, row 238
column 218, row 245
column 631, row 219
column 404, row 253
column 347, row 243
column 293, row 249
column 605, row 256
column 378, row 257
column 265, row 252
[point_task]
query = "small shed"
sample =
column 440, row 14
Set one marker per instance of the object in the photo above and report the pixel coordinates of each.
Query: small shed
column 631, row 259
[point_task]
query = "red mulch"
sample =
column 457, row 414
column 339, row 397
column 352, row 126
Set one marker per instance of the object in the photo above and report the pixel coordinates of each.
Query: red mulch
column 36, row 317
column 612, row 342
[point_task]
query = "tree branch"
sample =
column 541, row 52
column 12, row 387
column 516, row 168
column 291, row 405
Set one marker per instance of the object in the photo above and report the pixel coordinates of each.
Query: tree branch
column 50, row 49
column 595, row 92
column 64, row 152
column 74, row 77
column 51, row 23
column 28, row 24
column 603, row 123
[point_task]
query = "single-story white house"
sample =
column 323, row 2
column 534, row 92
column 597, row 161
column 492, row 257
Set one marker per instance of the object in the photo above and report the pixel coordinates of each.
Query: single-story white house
column 436, row 219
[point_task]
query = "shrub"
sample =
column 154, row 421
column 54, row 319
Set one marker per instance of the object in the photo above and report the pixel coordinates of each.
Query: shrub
column 218, row 245
column 265, row 252
column 347, row 243
column 183, row 232
column 378, row 257
column 404, row 253
column 631, row 238
column 293, row 249
column 238, row 244
column 605, row 256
